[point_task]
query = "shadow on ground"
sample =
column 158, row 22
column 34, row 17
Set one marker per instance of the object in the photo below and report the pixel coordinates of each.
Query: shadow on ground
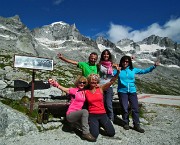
column 118, row 121
column 72, row 128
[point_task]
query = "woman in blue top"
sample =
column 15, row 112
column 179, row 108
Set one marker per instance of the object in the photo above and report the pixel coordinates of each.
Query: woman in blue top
column 127, row 91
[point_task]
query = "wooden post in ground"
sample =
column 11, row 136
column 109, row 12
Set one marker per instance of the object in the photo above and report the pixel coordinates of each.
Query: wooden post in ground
column 32, row 92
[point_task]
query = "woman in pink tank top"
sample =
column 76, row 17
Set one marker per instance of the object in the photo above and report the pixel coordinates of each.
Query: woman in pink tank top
column 75, row 113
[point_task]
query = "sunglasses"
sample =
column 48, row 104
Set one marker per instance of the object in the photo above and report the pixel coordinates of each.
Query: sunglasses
column 126, row 61
column 82, row 83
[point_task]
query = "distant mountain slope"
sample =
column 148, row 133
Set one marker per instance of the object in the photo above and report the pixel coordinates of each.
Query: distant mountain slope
column 60, row 37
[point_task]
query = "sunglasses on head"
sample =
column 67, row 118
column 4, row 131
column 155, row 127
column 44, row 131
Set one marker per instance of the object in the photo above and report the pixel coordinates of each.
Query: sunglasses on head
column 95, row 77
column 93, row 82
column 82, row 83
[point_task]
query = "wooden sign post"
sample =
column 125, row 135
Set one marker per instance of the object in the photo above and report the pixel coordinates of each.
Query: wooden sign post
column 34, row 63
column 32, row 91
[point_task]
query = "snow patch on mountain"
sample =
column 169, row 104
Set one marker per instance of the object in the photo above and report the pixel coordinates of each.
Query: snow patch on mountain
column 7, row 37
column 47, row 41
column 126, row 48
column 146, row 61
column 7, row 29
column 173, row 66
column 144, row 48
column 3, row 27
column 60, row 22
column 54, row 44
column 102, row 48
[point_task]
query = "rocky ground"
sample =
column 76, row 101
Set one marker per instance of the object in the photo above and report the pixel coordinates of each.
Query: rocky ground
column 161, row 124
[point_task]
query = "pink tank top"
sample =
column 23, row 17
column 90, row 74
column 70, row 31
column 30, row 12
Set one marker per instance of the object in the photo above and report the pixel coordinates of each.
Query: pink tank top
column 77, row 101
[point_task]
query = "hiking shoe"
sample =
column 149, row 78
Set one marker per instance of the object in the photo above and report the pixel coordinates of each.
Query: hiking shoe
column 70, row 128
column 88, row 137
column 126, row 127
column 138, row 129
column 101, row 128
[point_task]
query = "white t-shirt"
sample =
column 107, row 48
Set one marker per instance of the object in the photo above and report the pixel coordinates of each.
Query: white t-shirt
column 104, row 77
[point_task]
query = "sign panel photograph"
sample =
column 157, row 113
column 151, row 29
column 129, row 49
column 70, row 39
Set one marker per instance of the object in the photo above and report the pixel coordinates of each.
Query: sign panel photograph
column 33, row 62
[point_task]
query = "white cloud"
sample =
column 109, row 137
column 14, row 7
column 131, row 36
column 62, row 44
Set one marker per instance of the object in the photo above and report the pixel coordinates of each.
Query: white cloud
column 118, row 31
column 57, row 2
column 170, row 29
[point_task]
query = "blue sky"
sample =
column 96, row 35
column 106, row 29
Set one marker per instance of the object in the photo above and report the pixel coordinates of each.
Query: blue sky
column 113, row 19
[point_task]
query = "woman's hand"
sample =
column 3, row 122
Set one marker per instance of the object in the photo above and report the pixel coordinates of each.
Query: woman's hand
column 53, row 83
column 59, row 55
column 118, row 68
column 132, row 57
column 157, row 63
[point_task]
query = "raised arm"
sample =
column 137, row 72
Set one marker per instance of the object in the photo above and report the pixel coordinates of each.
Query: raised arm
column 55, row 84
column 108, row 84
column 147, row 70
column 60, row 56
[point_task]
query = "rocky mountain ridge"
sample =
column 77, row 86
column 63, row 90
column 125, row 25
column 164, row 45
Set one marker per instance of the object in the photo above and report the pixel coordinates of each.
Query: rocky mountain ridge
column 48, row 40
column 60, row 37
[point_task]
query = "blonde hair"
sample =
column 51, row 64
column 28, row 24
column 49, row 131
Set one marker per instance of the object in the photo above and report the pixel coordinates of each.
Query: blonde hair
column 93, row 76
column 80, row 79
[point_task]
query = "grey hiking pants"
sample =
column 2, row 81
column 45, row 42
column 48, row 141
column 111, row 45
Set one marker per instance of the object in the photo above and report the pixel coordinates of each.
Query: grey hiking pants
column 80, row 115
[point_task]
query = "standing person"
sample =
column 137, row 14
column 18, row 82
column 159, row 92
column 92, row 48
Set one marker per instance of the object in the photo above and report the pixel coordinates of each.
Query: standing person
column 75, row 112
column 127, row 91
column 86, row 67
column 106, row 73
column 95, row 101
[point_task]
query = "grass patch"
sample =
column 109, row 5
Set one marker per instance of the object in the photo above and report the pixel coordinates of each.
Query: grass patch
column 165, row 105
column 142, row 112
column 153, row 88
column 22, row 107
column 15, row 104
column 2, row 65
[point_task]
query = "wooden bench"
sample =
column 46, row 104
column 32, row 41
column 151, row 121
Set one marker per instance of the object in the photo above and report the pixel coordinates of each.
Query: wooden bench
column 59, row 109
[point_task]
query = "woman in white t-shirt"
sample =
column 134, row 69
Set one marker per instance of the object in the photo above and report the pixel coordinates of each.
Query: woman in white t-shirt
column 106, row 73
